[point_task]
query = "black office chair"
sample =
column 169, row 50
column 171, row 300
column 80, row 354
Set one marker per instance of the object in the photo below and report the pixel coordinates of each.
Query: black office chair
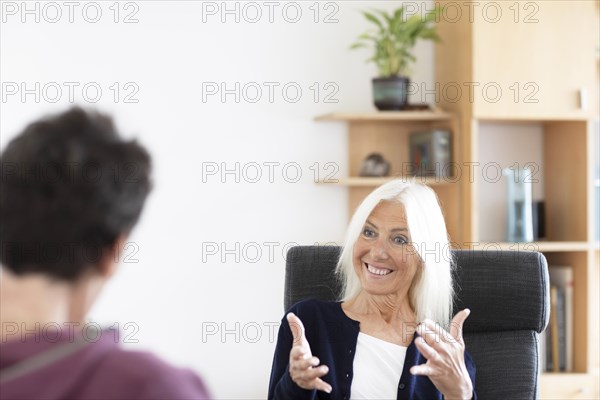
column 507, row 292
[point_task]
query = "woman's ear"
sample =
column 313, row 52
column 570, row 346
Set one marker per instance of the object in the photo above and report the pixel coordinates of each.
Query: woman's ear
column 111, row 257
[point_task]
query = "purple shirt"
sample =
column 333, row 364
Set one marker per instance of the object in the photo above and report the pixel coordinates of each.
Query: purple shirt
column 90, row 370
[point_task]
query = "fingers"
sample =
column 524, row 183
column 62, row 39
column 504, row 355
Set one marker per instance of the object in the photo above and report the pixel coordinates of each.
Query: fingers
column 322, row 385
column 300, row 346
column 444, row 351
column 299, row 353
column 310, row 374
column 435, row 335
column 304, row 368
column 431, row 333
column 428, row 352
column 422, row 369
column 456, row 326
column 302, row 364
column 307, row 375
column 432, row 356
column 297, row 328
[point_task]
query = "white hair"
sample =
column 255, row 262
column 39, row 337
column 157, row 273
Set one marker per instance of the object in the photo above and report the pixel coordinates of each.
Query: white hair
column 431, row 293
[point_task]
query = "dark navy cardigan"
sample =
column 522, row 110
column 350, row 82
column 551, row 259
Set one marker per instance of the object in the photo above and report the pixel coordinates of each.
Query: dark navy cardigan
column 332, row 337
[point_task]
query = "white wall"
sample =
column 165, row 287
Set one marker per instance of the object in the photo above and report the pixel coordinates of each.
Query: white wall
column 170, row 293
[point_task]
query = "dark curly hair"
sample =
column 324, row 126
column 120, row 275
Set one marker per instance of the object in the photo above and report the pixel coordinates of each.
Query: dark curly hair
column 69, row 187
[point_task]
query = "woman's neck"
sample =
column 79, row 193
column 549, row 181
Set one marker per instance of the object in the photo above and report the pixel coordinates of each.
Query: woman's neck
column 388, row 307
column 389, row 317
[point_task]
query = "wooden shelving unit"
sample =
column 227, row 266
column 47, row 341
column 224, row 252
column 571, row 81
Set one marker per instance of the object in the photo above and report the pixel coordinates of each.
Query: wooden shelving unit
column 561, row 70
column 388, row 133
column 550, row 78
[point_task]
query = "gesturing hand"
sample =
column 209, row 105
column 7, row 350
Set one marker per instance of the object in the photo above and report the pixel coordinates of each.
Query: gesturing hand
column 445, row 353
column 303, row 366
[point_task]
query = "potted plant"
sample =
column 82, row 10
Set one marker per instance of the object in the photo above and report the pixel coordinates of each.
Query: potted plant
column 393, row 39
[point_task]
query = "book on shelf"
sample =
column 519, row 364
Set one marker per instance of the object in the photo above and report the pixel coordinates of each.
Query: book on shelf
column 560, row 322
column 556, row 342
column 553, row 333
column 542, row 337
column 562, row 277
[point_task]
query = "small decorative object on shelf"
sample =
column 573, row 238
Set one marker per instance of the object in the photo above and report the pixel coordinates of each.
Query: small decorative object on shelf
column 430, row 153
column 539, row 220
column 375, row 166
column 519, row 224
column 393, row 40
column 416, row 107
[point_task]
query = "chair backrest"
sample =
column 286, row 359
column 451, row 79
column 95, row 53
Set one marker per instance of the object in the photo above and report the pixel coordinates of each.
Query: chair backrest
column 507, row 292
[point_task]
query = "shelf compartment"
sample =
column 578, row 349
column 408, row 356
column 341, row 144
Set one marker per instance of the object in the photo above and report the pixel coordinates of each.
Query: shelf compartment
column 579, row 261
column 560, row 163
column 407, row 116
column 372, row 182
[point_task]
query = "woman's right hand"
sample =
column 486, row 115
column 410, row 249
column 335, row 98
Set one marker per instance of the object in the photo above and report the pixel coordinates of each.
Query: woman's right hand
column 304, row 368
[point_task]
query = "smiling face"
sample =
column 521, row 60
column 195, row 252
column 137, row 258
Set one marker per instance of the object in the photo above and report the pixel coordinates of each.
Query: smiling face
column 383, row 258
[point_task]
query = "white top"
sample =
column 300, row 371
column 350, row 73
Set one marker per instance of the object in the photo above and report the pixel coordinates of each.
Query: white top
column 377, row 369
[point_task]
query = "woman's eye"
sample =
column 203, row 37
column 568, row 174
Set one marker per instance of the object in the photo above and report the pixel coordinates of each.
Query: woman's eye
column 368, row 232
column 400, row 240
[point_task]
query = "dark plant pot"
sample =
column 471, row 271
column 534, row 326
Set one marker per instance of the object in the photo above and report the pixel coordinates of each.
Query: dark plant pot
column 390, row 93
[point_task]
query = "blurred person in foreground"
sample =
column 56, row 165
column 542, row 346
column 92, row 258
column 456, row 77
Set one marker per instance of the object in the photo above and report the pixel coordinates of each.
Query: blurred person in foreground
column 391, row 335
column 71, row 192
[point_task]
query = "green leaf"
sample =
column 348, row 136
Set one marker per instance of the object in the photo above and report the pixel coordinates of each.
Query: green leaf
column 367, row 36
column 398, row 14
column 384, row 14
column 373, row 19
column 393, row 42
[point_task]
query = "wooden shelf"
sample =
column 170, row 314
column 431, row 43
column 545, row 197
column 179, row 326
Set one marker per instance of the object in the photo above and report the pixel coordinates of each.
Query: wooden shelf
column 551, row 375
column 374, row 182
column 405, row 116
column 521, row 119
column 544, row 247
column 568, row 385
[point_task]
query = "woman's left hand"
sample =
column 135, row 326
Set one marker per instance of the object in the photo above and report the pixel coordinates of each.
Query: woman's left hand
column 445, row 354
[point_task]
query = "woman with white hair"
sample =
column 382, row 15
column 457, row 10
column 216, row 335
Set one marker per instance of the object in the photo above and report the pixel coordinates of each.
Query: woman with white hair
column 391, row 335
